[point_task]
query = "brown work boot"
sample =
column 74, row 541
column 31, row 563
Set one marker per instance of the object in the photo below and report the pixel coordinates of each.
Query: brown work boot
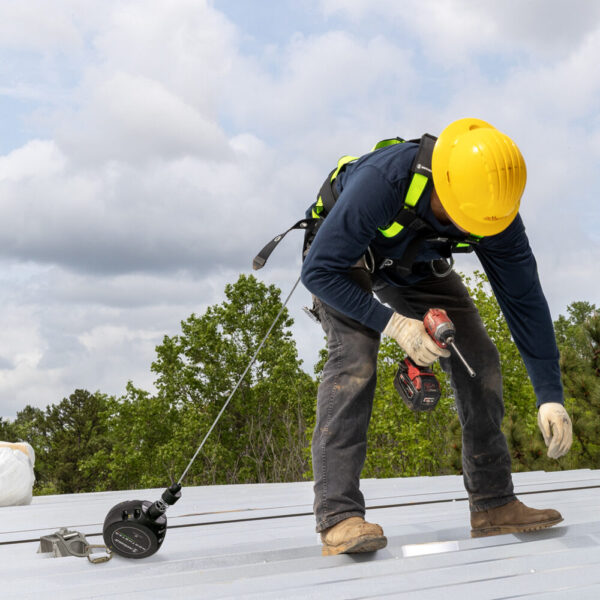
column 352, row 535
column 512, row 518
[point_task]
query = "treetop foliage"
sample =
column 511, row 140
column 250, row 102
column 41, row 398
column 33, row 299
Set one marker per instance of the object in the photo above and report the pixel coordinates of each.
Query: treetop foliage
column 93, row 442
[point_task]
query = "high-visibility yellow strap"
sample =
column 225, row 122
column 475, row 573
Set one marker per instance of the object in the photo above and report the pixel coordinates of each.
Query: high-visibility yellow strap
column 394, row 229
column 318, row 208
column 343, row 161
column 471, row 240
column 348, row 159
column 385, row 143
column 415, row 191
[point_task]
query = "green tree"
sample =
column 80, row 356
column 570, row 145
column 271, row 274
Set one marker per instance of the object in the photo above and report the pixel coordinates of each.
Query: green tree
column 142, row 427
column 571, row 332
column 94, row 442
column 578, row 337
column 402, row 442
column 527, row 447
column 6, row 433
column 263, row 431
column 77, row 437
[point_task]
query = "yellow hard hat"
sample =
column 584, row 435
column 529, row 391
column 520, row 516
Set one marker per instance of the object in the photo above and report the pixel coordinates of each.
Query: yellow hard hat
column 479, row 175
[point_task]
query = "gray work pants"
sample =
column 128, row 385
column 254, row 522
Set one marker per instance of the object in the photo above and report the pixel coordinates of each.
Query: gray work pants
column 345, row 400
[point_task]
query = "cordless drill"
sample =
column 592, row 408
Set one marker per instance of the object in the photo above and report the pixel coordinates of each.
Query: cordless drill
column 418, row 386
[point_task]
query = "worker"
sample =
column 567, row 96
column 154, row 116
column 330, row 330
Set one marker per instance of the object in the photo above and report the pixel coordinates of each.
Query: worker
column 395, row 218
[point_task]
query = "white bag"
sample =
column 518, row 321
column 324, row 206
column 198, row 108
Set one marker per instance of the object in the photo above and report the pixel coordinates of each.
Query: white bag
column 16, row 473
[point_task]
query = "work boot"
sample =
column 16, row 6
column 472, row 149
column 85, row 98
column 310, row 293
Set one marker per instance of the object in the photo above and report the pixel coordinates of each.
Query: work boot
column 352, row 535
column 512, row 518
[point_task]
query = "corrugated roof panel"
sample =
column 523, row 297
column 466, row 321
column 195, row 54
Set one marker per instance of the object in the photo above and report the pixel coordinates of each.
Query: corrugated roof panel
column 258, row 541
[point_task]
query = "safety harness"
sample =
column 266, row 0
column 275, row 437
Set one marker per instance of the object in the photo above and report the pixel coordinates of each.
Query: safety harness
column 405, row 220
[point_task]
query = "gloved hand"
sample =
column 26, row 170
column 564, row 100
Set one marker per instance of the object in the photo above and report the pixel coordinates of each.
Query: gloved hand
column 556, row 427
column 414, row 340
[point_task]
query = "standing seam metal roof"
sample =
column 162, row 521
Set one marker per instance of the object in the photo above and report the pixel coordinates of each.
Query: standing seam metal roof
column 258, row 541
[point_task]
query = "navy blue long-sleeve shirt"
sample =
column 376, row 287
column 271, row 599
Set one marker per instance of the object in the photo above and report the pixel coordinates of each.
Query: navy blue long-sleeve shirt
column 371, row 193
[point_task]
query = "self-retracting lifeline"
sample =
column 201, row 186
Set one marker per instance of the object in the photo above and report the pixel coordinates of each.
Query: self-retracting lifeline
column 137, row 528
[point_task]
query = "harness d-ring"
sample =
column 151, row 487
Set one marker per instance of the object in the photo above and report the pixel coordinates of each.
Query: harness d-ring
column 449, row 265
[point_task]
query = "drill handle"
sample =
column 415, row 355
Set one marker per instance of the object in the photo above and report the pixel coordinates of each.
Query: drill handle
column 439, row 327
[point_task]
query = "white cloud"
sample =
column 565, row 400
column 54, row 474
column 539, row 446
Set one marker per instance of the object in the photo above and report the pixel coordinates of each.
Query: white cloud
column 169, row 156
column 131, row 118
column 63, row 330
column 32, row 26
column 166, row 214
column 324, row 85
column 453, row 31
column 185, row 44
column 36, row 159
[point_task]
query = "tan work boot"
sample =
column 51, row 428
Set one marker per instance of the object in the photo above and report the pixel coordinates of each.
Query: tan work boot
column 512, row 518
column 352, row 535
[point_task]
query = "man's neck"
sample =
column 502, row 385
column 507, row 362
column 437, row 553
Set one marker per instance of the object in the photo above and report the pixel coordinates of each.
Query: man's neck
column 438, row 210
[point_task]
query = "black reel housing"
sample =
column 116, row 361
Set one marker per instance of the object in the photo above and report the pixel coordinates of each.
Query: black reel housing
column 417, row 386
column 137, row 528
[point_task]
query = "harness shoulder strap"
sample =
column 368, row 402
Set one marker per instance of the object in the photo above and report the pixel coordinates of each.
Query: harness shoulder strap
column 388, row 142
column 328, row 195
column 421, row 170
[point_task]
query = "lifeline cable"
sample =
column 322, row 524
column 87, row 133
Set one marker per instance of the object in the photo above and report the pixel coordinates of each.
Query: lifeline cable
column 237, row 385
column 137, row 528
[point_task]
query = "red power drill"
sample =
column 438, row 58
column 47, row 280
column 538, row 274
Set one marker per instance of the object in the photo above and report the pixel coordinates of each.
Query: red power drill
column 418, row 386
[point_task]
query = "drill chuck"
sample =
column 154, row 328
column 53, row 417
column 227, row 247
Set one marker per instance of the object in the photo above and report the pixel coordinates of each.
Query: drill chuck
column 441, row 330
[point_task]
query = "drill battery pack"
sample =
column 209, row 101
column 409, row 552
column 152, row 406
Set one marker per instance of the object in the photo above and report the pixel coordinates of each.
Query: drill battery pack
column 418, row 386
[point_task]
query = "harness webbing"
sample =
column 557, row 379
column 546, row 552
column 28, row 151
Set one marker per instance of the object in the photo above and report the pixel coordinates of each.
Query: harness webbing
column 309, row 225
column 421, row 169
column 406, row 218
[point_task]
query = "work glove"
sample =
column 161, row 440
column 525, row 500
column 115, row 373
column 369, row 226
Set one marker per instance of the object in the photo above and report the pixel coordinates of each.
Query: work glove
column 414, row 340
column 555, row 424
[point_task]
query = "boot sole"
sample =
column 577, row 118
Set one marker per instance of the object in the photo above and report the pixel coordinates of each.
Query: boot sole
column 365, row 543
column 500, row 529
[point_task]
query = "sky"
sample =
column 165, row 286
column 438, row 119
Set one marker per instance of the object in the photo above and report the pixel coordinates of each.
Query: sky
column 150, row 148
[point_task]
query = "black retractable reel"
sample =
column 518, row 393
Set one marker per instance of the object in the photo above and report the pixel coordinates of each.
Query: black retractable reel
column 137, row 528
